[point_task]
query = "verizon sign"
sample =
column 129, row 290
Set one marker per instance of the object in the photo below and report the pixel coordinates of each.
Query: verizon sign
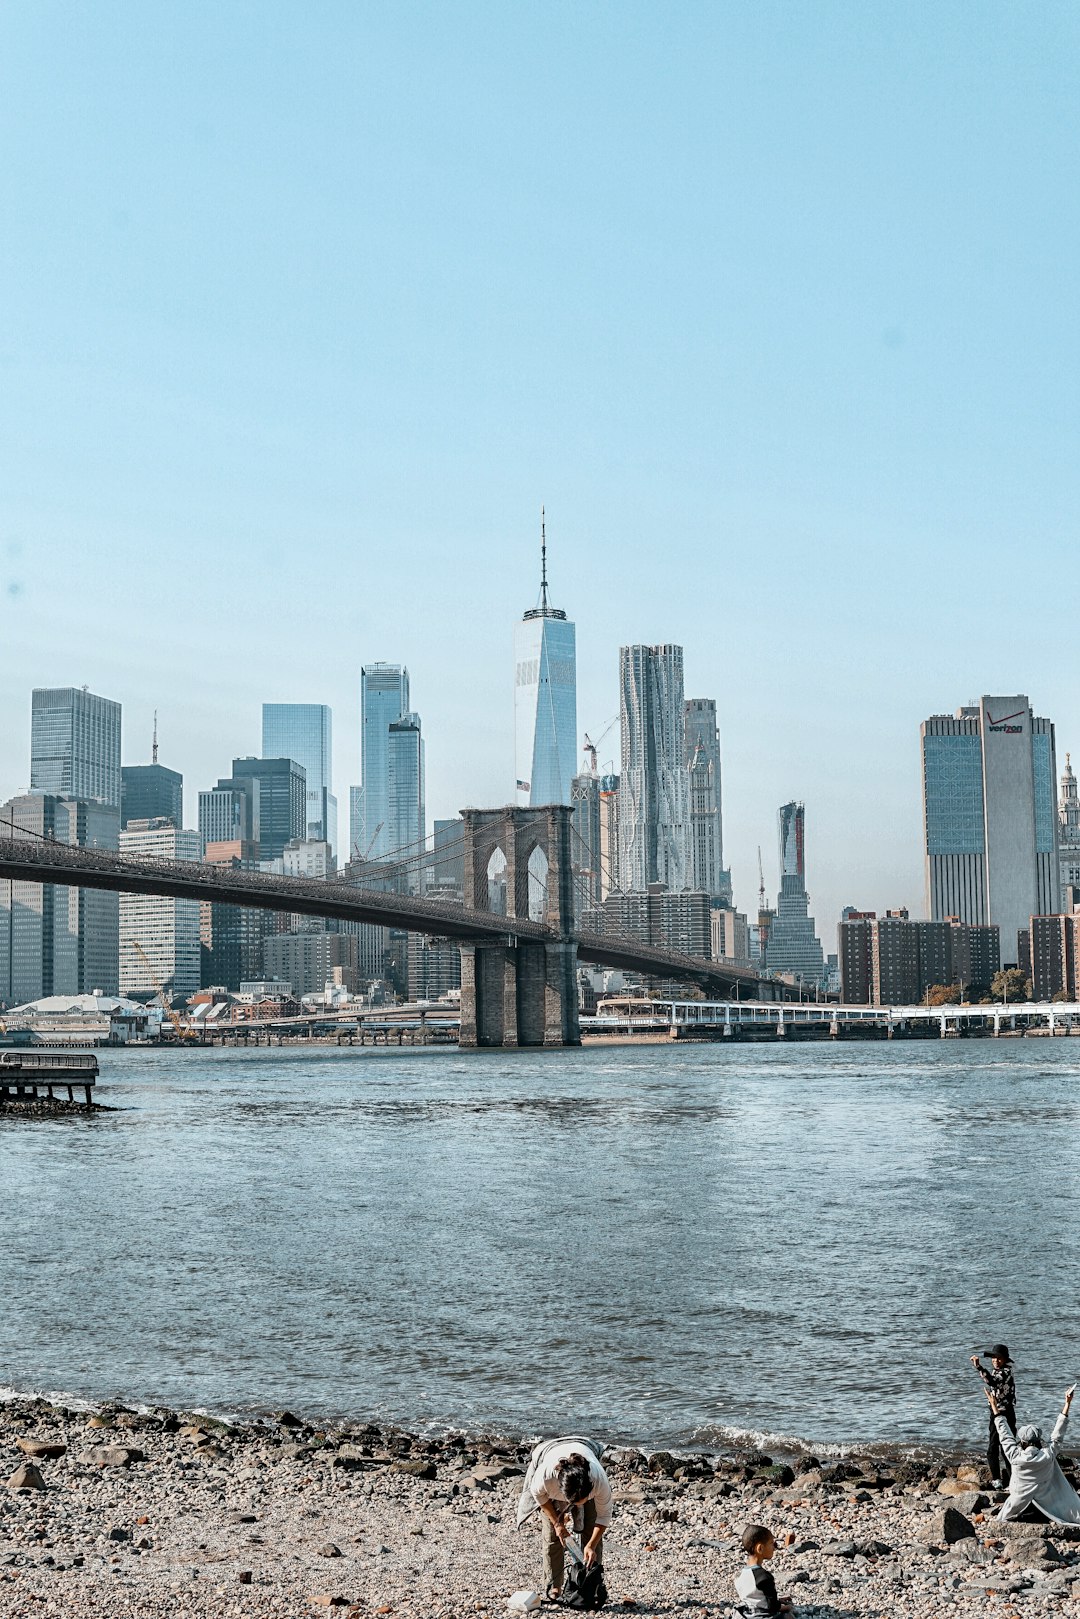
column 1005, row 724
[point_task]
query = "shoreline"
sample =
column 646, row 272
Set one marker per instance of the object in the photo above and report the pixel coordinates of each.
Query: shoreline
column 159, row 1513
column 721, row 1444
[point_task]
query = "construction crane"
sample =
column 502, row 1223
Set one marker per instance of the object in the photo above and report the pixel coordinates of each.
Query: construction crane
column 590, row 746
column 367, row 852
column 179, row 1029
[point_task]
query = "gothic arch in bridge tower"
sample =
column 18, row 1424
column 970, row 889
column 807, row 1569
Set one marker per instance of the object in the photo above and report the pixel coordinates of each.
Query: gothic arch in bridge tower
column 520, row 991
column 495, row 892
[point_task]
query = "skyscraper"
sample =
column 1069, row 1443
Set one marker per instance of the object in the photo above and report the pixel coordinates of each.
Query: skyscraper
column 302, row 731
column 282, row 799
column 793, row 945
column 58, row 941
column 448, row 855
column 384, row 698
column 75, row 744
column 545, row 698
column 405, row 799
column 990, row 818
column 159, row 934
column 654, row 842
column 585, row 840
column 356, row 822
column 702, row 752
column 229, row 814
column 151, row 793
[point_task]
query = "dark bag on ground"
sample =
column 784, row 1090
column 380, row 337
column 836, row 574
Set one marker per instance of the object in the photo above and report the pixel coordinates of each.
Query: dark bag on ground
column 584, row 1587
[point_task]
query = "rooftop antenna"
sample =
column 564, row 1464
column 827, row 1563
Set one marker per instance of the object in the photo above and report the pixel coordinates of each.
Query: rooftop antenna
column 543, row 560
column 154, row 754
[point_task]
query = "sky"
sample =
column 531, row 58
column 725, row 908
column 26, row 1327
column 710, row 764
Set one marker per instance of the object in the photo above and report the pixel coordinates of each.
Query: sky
column 306, row 309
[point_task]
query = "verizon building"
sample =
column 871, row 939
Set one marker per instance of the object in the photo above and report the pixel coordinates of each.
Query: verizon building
column 990, row 817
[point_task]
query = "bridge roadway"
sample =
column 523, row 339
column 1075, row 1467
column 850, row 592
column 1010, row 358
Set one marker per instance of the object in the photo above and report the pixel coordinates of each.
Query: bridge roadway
column 41, row 860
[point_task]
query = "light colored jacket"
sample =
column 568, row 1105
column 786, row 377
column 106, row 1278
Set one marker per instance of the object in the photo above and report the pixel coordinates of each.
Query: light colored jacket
column 1037, row 1479
column 533, row 1490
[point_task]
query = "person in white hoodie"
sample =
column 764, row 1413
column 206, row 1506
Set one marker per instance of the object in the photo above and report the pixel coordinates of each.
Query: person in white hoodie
column 567, row 1485
column 1036, row 1479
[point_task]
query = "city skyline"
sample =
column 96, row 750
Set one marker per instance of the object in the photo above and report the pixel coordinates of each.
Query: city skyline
column 744, row 889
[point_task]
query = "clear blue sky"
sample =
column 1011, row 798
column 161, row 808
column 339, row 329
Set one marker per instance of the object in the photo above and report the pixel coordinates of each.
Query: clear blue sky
column 307, row 308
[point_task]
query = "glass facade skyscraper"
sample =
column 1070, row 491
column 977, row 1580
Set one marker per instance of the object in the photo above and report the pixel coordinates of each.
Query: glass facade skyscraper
column 990, row 817
column 75, row 744
column 303, row 731
column 282, row 801
column 53, row 940
column 405, row 799
column 654, row 845
column 151, row 793
column 545, row 700
column 384, row 698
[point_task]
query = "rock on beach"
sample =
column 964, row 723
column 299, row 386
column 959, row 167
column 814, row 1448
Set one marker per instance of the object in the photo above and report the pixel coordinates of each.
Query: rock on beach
column 281, row 1519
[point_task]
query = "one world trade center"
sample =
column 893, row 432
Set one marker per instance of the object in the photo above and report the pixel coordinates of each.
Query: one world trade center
column 545, row 698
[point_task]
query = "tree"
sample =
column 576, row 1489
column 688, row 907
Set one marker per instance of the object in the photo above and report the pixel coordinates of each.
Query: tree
column 943, row 995
column 1062, row 995
column 1010, row 984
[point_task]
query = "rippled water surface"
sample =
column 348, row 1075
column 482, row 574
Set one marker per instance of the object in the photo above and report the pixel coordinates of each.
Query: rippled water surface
column 659, row 1244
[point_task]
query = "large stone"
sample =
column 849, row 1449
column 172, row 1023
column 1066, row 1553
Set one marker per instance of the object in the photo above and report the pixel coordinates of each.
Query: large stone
column 26, row 1477
column 1016, row 1529
column 41, row 1449
column 945, row 1527
column 352, row 1456
column 1034, row 1552
column 492, row 1472
column 954, row 1486
column 112, row 1456
column 973, row 1501
column 416, row 1469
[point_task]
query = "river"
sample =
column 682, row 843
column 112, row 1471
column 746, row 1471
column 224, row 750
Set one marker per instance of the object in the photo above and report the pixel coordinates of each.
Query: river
column 669, row 1245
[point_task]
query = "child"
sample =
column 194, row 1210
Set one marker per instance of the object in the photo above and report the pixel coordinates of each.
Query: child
column 998, row 1381
column 755, row 1585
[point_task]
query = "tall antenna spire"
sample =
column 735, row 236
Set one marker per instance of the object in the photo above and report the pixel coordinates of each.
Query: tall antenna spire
column 543, row 560
column 154, row 754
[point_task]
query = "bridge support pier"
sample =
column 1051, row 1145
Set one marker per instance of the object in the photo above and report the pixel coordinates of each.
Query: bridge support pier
column 520, row 991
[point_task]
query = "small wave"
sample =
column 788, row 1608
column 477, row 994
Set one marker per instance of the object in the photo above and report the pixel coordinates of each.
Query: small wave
column 720, row 1437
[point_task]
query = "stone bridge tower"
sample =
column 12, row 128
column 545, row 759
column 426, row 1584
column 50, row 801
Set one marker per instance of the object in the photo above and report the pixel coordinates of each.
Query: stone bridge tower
column 515, row 991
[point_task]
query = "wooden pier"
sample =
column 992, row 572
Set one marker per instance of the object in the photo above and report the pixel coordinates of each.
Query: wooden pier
column 30, row 1076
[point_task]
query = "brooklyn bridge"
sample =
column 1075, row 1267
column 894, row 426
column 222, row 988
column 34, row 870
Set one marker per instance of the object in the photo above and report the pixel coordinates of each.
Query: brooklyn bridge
column 518, row 968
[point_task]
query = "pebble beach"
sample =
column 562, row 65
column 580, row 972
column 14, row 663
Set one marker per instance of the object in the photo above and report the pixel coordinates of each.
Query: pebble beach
column 164, row 1514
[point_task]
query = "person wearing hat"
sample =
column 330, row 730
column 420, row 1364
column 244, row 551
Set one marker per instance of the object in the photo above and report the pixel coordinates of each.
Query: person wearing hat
column 998, row 1380
column 1037, row 1480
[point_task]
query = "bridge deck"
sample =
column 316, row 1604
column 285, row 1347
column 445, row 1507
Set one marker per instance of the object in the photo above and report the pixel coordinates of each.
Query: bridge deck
column 25, row 859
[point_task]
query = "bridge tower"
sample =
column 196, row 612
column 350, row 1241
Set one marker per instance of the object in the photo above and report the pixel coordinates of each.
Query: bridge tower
column 519, row 991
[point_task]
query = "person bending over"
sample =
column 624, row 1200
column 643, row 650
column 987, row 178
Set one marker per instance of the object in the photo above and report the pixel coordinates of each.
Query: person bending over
column 755, row 1586
column 999, row 1381
column 1037, row 1479
column 566, row 1482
